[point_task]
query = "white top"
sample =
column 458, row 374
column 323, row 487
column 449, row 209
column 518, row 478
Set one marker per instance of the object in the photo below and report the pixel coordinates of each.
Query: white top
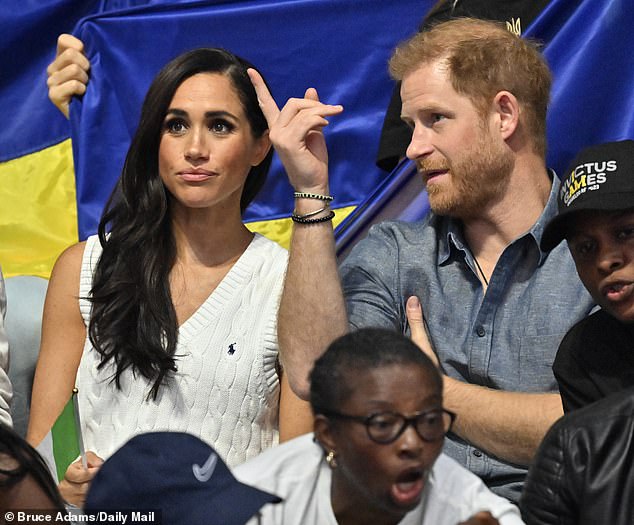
column 226, row 389
column 297, row 472
column 5, row 385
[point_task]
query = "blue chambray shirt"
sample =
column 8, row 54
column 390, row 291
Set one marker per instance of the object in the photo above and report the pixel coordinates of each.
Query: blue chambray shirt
column 505, row 339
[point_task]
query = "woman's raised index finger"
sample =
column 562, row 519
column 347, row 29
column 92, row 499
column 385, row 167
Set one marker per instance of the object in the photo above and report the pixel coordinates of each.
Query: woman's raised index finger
column 267, row 103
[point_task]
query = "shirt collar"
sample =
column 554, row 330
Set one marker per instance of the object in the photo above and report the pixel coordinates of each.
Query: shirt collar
column 550, row 210
column 451, row 229
column 450, row 237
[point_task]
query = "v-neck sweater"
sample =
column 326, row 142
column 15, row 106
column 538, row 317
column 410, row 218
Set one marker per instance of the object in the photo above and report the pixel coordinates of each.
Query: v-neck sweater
column 226, row 388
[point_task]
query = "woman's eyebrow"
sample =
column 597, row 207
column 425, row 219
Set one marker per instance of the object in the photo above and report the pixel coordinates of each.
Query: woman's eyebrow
column 208, row 114
column 220, row 113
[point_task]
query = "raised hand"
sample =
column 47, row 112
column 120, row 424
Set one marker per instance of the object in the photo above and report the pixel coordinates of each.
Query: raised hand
column 68, row 73
column 417, row 328
column 296, row 132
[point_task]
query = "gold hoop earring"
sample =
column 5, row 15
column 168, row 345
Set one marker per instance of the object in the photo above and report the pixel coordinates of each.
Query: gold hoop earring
column 331, row 459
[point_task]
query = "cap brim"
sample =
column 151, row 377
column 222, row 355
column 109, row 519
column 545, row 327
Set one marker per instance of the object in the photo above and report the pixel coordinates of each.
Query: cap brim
column 557, row 229
column 234, row 505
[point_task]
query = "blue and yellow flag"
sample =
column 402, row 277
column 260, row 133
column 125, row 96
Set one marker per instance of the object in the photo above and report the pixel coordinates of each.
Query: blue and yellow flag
column 38, row 215
column 338, row 46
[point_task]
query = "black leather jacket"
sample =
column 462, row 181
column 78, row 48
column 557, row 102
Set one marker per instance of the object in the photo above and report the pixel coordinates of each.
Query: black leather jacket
column 584, row 470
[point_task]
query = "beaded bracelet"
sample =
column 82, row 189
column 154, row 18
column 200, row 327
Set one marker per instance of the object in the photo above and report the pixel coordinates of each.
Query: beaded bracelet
column 302, row 195
column 299, row 219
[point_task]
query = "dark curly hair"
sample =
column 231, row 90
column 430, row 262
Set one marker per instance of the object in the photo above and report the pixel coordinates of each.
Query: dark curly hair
column 133, row 321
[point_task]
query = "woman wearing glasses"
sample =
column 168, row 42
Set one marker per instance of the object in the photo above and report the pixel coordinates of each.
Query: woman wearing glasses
column 375, row 455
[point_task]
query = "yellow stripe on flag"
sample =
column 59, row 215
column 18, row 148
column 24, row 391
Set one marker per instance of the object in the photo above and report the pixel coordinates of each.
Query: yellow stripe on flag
column 38, row 210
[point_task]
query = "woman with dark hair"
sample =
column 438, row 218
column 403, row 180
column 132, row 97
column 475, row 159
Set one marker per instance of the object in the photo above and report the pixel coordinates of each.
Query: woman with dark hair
column 25, row 481
column 375, row 455
column 175, row 327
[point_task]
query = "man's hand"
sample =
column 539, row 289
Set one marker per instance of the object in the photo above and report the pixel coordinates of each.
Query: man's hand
column 417, row 328
column 296, row 132
column 76, row 482
column 68, row 73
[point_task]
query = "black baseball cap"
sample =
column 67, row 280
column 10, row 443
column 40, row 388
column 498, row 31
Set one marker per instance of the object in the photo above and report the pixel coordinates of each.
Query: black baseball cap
column 177, row 475
column 600, row 178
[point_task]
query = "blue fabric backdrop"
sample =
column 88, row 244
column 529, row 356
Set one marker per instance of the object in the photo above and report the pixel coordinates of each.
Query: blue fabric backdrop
column 340, row 47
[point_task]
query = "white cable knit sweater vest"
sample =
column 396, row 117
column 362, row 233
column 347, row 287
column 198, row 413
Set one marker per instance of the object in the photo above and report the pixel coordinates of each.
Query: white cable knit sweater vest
column 226, row 389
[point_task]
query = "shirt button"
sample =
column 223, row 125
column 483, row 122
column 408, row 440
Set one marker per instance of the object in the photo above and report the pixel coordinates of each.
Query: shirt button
column 480, row 331
column 477, row 453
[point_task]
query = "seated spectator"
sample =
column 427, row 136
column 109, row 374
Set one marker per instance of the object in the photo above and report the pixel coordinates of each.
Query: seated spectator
column 582, row 473
column 375, row 456
column 596, row 217
column 517, row 14
column 496, row 307
column 166, row 320
column 177, row 475
column 25, row 481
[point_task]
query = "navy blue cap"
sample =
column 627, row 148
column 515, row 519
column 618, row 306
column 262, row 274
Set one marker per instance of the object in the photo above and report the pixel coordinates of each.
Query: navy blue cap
column 178, row 475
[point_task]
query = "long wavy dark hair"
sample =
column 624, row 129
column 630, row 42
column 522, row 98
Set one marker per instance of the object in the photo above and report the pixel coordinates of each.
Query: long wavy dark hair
column 133, row 321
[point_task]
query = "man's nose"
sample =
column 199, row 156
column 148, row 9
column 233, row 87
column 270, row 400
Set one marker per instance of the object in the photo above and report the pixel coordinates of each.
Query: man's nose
column 420, row 145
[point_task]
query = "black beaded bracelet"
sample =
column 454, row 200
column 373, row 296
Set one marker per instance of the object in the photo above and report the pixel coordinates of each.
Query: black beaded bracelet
column 301, row 220
column 302, row 195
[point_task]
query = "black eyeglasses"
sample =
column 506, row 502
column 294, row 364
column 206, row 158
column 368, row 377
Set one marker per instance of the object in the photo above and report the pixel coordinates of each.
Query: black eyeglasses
column 386, row 427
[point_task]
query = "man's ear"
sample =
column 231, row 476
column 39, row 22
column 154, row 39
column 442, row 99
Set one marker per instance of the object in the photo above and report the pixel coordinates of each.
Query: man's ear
column 507, row 113
column 324, row 432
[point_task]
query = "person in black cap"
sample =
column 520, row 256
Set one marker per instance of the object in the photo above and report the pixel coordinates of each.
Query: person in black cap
column 596, row 217
column 582, row 473
column 173, row 478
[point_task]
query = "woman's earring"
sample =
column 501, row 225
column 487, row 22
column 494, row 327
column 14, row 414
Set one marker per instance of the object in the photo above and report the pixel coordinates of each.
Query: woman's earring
column 331, row 459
